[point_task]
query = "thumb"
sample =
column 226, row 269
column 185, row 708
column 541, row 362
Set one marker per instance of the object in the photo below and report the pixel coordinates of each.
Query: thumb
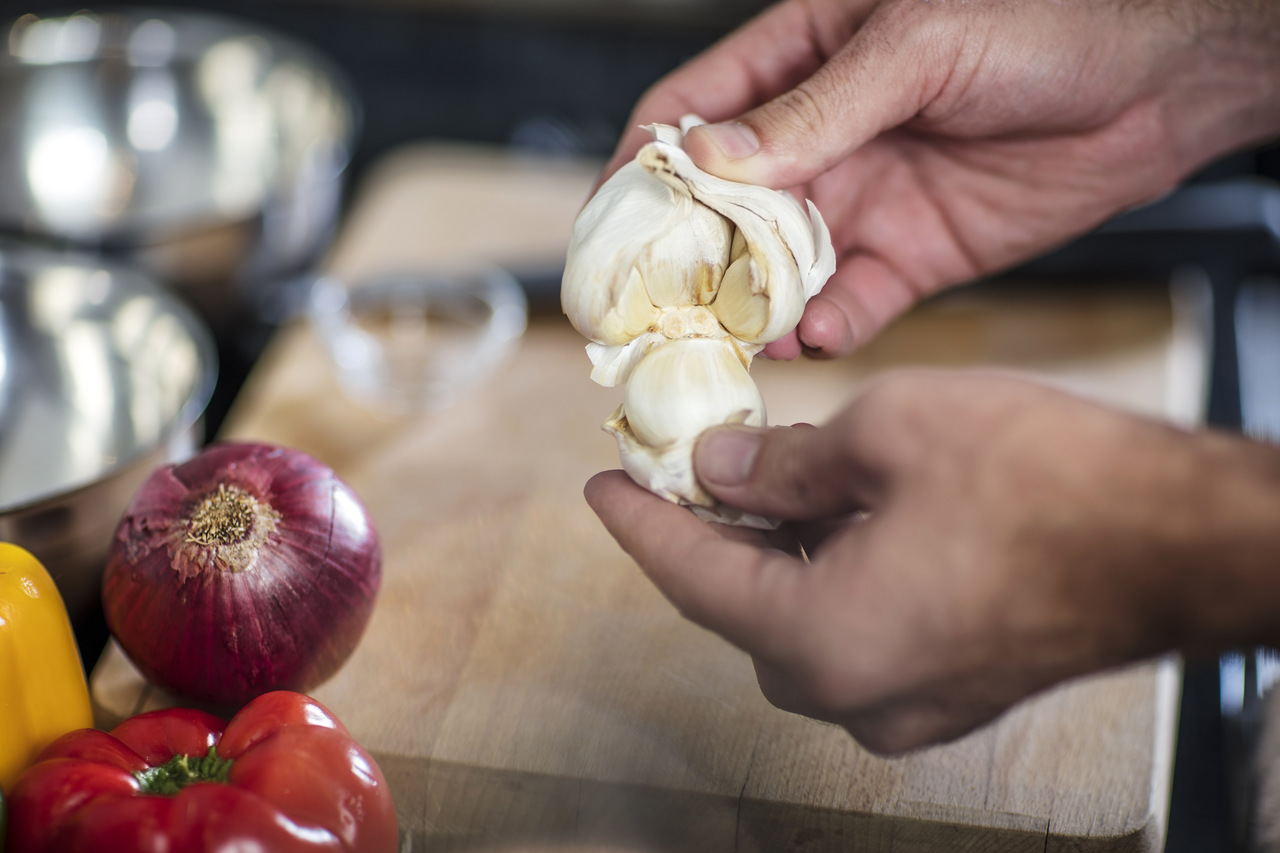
column 860, row 92
column 790, row 473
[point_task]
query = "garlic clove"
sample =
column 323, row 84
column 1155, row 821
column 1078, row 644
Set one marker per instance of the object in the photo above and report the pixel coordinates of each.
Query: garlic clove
column 791, row 251
column 686, row 263
column 602, row 292
column 678, row 390
column 742, row 311
column 668, row 473
column 682, row 387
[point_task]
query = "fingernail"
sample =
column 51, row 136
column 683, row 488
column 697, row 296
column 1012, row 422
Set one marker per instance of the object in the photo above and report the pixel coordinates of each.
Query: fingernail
column 725, row 457
column 735, row 141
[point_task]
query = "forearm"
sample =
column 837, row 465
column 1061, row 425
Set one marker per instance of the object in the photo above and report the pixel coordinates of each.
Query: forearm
column 1222, row 89
column 1225, row 582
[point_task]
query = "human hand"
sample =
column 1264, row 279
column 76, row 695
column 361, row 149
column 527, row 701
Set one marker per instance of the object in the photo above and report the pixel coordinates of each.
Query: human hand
column 971, row 539
column 945, row 141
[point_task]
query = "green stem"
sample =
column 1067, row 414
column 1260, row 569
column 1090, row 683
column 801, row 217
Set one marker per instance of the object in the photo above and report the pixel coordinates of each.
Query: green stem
column 183, row 770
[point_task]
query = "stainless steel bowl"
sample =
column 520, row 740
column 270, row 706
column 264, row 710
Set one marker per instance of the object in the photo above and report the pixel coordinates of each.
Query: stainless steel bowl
column 206, row 150
column 104, row 375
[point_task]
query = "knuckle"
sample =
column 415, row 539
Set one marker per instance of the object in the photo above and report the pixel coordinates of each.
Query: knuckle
column 797, row 477
column 690, row 607
column 835, row 683
column 884, row 738
column 828, row 691
column 897, row 414
column 893, row 729
column 782, row 473
column 799, row 111
column 777, row 694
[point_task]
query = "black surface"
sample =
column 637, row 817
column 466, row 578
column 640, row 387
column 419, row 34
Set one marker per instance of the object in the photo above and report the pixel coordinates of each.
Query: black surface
column 1200, row 816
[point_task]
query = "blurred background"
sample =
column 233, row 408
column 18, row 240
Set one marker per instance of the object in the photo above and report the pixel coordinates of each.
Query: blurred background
column 551, row 76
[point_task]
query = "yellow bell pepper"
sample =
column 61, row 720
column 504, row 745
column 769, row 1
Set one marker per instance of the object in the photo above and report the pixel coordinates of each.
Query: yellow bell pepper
column 43, row 692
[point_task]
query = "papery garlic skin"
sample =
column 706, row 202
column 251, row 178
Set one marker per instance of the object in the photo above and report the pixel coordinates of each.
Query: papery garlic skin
column 678, row 278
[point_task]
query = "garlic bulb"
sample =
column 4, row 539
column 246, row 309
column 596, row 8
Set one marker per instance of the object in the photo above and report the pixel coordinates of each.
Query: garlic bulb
column 678, row 278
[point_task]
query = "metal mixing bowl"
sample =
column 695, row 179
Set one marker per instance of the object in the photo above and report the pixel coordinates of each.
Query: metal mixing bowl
column 104, row 375
column 206, row 150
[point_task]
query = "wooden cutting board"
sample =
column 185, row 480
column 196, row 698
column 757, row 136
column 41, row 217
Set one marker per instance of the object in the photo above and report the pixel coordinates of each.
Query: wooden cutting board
column 525, row 687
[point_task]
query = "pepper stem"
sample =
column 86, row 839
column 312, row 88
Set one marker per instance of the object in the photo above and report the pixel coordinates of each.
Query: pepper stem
column 182, row 770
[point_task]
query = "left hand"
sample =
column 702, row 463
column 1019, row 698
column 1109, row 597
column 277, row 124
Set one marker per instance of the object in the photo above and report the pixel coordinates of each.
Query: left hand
column 1013, row 537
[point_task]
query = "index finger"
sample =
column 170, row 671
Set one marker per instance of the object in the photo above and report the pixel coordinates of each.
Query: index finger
column 749, row 594
column 760, row 60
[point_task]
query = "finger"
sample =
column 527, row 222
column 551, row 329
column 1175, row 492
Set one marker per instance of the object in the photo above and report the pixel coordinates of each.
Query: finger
column 857, row 302
column 890, row 727
column 782, row 539
column 903, row 725
column 813, row 535
column 806, row 537
column 863, row 90
column 785, row 348
column 863, row 296
column 760, row 60
column 791, row 474
column 751, row 596
column 782, row 692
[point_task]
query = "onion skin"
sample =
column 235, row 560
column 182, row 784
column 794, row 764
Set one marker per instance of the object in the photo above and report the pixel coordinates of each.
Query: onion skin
column 219, row 623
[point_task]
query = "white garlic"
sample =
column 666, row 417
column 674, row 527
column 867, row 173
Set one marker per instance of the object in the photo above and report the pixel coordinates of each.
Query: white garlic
column 679, row 389
column 678, row 278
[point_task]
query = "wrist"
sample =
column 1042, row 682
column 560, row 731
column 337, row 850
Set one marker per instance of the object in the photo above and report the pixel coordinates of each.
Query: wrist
column 1226, row 80
column 1224, row 547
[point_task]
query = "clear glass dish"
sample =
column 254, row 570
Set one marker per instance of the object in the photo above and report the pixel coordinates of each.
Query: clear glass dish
column 417, row 341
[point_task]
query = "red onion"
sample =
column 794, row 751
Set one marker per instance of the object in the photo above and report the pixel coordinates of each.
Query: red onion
column 246, row 569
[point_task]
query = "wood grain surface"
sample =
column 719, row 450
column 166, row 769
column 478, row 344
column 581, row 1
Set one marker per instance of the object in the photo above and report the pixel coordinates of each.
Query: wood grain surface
column 525, row 687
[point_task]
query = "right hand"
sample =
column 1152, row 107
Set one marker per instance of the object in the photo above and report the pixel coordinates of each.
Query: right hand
column 969, row 539
column 945, row 141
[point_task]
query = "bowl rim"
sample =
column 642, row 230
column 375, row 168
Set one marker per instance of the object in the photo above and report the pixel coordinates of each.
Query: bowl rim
column 145, row 230
column 188, row 416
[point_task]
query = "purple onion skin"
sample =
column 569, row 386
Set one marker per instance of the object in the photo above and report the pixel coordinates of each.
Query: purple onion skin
column 287, row 621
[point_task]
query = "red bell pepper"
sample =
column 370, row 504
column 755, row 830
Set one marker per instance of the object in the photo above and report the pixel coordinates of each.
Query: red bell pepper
column 282, row 776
